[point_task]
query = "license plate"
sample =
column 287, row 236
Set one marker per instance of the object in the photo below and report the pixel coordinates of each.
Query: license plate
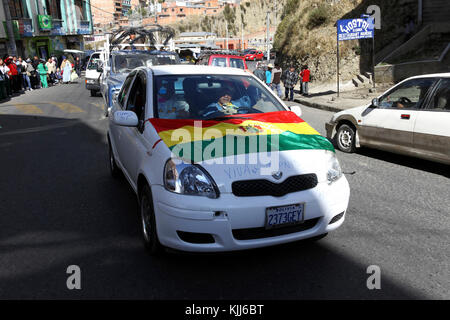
column 284, row 215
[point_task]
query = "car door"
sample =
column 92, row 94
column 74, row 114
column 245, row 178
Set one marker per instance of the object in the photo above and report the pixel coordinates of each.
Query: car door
column 131, row 144
column 117, row 132
column 390, row 126
column 432, row 128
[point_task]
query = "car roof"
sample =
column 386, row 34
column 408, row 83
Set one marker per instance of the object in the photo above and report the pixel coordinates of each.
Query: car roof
column 431, row 75
column 153, row 52
column 225, row 55
column 183, row 69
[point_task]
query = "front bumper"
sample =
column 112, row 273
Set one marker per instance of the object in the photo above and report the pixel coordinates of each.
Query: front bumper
column 223, row 217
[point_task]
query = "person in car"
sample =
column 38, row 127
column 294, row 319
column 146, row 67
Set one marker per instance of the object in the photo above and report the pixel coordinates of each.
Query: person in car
column 168, row 106
column 226, row 105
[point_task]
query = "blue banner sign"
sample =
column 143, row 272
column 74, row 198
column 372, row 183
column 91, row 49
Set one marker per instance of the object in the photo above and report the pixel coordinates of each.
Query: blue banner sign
column 352, row 29
column 57, row 29
column 84, row 28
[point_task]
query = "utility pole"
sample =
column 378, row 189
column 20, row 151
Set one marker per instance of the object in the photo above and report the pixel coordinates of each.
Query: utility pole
column 226, row 26
column 267, row 35
column 10, row 30
column 242, row 35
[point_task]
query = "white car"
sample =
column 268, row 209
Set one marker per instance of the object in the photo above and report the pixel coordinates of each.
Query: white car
column 92, row 74
column 412, row 118
column 219, row 163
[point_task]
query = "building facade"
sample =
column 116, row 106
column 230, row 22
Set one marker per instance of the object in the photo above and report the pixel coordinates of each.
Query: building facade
column 109, row 12
column 46, row 27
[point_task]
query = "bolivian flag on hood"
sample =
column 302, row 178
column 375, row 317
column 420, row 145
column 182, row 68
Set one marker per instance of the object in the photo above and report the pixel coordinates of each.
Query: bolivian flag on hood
column 198, row 140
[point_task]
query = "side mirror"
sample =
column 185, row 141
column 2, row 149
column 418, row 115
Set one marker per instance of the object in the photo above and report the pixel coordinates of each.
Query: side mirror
column 297, row 110
column 125, row 118
column 99, row 69
column 375, row 102
column 114, row 96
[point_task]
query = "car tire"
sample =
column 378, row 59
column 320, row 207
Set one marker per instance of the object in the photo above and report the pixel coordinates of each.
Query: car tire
column 345, row 138
column 113, row 168
column 93, row 93
column 148, row 222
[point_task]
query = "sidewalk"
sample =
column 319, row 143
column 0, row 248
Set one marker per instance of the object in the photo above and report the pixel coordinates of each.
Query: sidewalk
column 328, row 100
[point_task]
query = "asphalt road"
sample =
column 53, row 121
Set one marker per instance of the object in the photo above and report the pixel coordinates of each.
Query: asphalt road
column 60, row 207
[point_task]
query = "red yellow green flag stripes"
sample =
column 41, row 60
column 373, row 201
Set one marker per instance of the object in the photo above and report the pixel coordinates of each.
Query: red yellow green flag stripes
column 199, row 140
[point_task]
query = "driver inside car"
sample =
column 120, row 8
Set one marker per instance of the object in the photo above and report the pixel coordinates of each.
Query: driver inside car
column 226, row 105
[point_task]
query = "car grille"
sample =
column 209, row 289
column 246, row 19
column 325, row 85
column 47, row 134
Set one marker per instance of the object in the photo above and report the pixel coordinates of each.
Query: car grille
column 262, row 187
column 258, row 233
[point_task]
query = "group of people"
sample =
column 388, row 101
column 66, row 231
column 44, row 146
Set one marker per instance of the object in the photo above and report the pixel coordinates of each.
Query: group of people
column 18, row 75
column 273, row 76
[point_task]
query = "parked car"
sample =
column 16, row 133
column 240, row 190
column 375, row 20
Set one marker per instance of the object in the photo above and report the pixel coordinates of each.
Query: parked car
column 412, row 118
column 122, row 62
column 92, row 76
column 254, row 55
column 222, row 60
column 219, row 163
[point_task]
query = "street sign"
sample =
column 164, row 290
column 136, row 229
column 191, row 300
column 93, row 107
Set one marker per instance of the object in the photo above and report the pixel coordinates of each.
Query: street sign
column 351, row 29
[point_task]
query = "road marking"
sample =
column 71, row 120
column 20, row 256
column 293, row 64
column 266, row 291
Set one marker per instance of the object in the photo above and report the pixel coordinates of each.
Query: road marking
column 66, row 107
column 28, row 108
column 99, row 105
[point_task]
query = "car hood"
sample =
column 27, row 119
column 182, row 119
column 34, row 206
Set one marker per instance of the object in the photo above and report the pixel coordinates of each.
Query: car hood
column 355, row 112
column 248, row 146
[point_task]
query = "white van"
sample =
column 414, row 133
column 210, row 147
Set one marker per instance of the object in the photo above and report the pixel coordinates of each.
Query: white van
column 92, row 75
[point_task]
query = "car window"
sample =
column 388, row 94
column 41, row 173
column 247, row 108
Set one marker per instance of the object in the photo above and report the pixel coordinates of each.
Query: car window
column 137, row 98
column 408, row 95
column 219, row 62
column 93, row 62
column 441, row 99
column 237, row 63
column 124, row 90
column 209, row 96
column 127, row 62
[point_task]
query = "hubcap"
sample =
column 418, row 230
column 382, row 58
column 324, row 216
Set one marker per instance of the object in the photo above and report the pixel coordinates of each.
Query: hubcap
column 345, row 138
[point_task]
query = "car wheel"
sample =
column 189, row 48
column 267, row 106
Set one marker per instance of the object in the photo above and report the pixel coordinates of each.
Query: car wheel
column 148, row 222
column 113, row 168
column 345, row 138
column 93, row 93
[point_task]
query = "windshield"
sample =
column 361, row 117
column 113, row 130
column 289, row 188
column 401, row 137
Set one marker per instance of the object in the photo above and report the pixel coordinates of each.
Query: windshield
column 206, row 97
column 126, row 63
column 93, row 62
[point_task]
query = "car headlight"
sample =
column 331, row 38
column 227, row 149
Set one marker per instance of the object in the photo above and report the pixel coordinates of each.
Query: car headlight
column 334, row 169
column 189, row 179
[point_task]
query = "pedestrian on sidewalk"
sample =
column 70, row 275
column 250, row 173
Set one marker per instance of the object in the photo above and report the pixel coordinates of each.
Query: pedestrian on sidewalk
column 19, row 67
column 32, row 74
column 305, row 80
column 26, row 83
column 259, row 72
column 51, row 67
column 66, row 68
column 276, row 80
column 290, row 79
column 13, row 74
column 269, row 74
column 7, row 83
column 42, row 69
column 37, row 78
column 78, row 66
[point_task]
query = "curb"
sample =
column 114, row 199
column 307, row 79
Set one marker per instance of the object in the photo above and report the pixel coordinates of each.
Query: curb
column 317, row 105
